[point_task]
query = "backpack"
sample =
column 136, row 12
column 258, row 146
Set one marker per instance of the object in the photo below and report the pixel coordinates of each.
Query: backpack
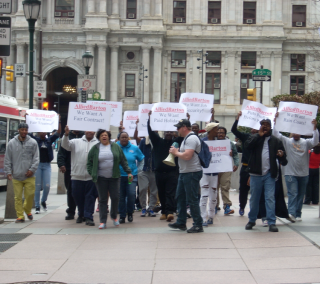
column 204, row 154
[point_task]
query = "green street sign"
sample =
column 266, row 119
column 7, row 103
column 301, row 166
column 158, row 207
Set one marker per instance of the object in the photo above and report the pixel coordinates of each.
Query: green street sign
column 261, row 72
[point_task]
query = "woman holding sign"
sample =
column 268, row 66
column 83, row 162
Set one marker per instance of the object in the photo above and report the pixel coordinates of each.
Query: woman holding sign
column 128, row 184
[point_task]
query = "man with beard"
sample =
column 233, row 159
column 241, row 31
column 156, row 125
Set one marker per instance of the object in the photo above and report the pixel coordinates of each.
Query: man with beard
column 263, row 169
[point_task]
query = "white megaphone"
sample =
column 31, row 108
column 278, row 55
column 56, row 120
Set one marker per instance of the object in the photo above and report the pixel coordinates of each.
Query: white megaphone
column 170, row 159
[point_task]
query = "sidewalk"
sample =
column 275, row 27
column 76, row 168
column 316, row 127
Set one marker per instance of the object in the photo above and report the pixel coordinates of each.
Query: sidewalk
column 147, row 251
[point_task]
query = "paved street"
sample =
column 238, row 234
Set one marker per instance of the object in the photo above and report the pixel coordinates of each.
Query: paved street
column 147, row 251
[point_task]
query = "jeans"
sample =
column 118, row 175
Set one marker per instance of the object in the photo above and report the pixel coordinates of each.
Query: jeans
column 257, row 184
column 244, row 188
column 127, row 196
column 43, row 178
column 296, row 191
column 71, row 211
column 312, row 192
column 208, row 192
column 187, row 192
column 147, row 179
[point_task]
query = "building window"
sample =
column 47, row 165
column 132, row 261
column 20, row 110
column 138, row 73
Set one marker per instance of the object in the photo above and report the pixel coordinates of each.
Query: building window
column 248, row 60
column 214, row 12
column 178, row 86
column 214, row 59
column 249, row 12
column 299, row 15
column 246, row 83
column 130, row 55
column 131, row 9
column 297, row 85
column 179, row 11
column 178, row 59
column 64, row 8
column 298, row 62
column 213, row 86
column 130, row 85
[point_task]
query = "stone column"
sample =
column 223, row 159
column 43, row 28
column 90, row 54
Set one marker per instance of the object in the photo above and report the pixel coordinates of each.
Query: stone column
column 114, row 73
column 277, row 73
column 90, row 47
column 10, row 86
column 115, row 8
column 50, row 12
column 146, row 8
column 77, row 12
column 157, row 75
column 158, row 8
column 231, row 72
column 266, row 62
column 146, row 62
column 91, row 6
column 20, row 7
column 101, row 86
column 20, row 81
column 196, row 12
column 103, row 7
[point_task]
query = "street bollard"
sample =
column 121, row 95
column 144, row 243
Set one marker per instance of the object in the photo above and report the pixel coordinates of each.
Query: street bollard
column 10, row 211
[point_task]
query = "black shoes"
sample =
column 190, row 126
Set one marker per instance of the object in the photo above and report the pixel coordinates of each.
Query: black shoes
column 79, row 219
column 122, row 220
column 69, row 217
column 178, row 226
column 250, row 225
column 89, row 222
column 273, row 228
column 195, row 229
column 130, row 217
column 44, row 205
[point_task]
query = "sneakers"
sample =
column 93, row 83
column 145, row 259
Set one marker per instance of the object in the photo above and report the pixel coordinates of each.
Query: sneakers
column 210, row 221
column 143, row 213
column 122, row 220
column 241, row 212
column 89, row 222
column 195, row 229
column 102, row 226
column 37, row 210
column 298, row 219
column 69, row 217
column 250, row 225
column 151, row 213
column 30, row 217
column 19, row 220
column 178, row 226
column 170, row 217
column 130, row 218
column 264, row 223
column 116, row 222
column 163, row 217
column 204, row 224
column 79, row 220
column 291, row 218
column 44, row 205
column 228, row 211
column 273, row 228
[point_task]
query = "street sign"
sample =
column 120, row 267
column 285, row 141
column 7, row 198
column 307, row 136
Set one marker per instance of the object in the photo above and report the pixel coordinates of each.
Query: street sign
column 261, row 78
column 87, row 81
column 40, row 89
column 5, row 7
column 261, row 72
column 19, row 69
column 5, row 36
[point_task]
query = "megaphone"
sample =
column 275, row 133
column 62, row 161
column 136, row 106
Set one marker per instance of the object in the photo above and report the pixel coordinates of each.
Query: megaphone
column 170, row 159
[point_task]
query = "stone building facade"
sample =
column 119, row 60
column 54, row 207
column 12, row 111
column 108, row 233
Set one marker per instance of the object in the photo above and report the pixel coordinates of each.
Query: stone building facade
column 165, row 37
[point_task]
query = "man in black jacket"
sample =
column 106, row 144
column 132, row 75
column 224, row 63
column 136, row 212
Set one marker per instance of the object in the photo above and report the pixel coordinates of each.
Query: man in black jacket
column 64, row 164
column 263, row 168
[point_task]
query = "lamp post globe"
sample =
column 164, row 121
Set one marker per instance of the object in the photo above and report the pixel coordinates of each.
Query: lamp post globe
column 31, row 9
column 87, row 59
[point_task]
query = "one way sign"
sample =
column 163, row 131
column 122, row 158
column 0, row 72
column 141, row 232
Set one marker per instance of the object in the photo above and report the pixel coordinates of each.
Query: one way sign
column 19, row 70
column 261, row 78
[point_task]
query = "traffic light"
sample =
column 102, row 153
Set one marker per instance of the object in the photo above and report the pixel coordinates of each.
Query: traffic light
column 1, row 60
column 45, row 106
column 10, row 74
column 252, row 94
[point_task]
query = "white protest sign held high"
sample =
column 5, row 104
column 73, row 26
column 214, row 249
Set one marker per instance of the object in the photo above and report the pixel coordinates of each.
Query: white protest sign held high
column 116, row 111
column 143, row 119
column 296, row 118
column 88, row 117
column 221, row 161
column 129, row 121
column 198, row 105
column 165, row 115
column 254, row 112
column 42, row 120
column 133, row 142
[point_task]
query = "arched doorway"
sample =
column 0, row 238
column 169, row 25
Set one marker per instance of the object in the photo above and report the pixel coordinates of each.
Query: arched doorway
column 57, row 80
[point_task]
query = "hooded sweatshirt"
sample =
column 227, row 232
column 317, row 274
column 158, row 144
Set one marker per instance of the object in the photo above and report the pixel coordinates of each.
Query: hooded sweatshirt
column 21, row 157
column 79, row 155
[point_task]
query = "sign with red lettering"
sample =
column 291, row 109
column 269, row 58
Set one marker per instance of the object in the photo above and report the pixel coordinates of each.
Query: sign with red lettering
column 143, row 119
column 42, row 120
column 116, row 111
column 129, row 121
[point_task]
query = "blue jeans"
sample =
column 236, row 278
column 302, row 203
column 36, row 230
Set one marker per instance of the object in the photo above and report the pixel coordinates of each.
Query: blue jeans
column 43, row 179
column 257, row 184
column 296, row 190
column 127, row 196
column 187, row 193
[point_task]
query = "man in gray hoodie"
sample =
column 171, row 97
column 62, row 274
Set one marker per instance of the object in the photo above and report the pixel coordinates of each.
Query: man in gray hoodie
column 20, row 163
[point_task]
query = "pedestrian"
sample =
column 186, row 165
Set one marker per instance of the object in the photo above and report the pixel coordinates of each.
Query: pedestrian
column 83, row 189
column 190, row 173
column 64, row 164
column 128, row 185
column 224, row 179
column 43, row 173
column 20, row 165
column 312, row 192
column 209, row 183
column 296, row 173
column 266, row 149
column 244, row 187
column 103, row 166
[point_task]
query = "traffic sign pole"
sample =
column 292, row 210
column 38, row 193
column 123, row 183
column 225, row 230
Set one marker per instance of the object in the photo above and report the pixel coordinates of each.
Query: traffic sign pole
column 261, row 88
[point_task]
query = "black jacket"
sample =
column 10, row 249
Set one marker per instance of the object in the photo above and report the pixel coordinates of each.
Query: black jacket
column 243, row 137
column 255, row 144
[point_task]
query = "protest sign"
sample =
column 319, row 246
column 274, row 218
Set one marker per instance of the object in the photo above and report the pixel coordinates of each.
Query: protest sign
column 42, row 120
column 296, row 118
column 116, row 111
column 254, row 112
column 133, row 142
column 221, row 161
column 89, row 117
column 165, row 115
column 129, row 121
column 198, row 105
column 143, row 119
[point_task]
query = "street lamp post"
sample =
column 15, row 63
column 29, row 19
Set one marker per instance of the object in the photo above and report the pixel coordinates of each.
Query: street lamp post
column 58, row 94
column 87, row 59
column 31, row 10
column 142, row 80
column 201, row 67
